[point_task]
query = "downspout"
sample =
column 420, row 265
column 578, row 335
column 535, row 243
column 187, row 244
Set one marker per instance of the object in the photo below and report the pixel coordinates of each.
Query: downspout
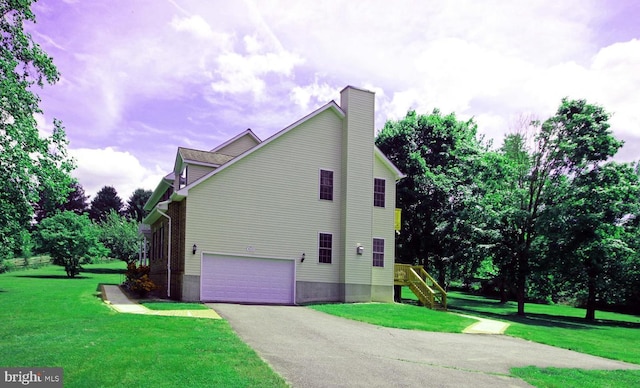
column 168, row 254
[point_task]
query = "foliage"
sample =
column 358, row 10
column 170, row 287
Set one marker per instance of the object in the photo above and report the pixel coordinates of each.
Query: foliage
column 76, row 201
column 120, row 236
column 136, row 202
column 439, row 155
column 29, row 163
column 588, row 229
column 74, row 329
column 138, row 280
column 106, row 200
column 528, row 179
column 69, row 238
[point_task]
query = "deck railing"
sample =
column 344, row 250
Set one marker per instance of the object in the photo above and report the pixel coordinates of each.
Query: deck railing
column 428, row 291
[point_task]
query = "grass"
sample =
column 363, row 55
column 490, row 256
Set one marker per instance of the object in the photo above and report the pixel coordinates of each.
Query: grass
column 564, row 378
column 52, row 321
column 560, row 326
column 402, row 316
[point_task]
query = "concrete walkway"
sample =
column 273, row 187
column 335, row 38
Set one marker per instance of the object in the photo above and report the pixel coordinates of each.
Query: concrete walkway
column 485, row 326
column 117, row 300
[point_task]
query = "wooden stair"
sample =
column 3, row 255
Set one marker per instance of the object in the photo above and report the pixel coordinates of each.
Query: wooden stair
column 428, row 291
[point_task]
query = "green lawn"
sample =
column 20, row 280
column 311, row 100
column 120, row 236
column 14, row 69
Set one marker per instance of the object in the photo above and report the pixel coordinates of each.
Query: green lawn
column 561, row 326
column 50, row 320
column 402, row 316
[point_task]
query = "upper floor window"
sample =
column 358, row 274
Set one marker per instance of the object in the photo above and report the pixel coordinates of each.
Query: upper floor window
column 378, row 252
column 325, row 243
column 378, row 192
column 326, row 185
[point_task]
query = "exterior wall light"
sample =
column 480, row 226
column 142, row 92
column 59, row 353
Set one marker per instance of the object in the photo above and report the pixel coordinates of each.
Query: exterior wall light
column 359, row 249
column 195, row 248
column 302, row 258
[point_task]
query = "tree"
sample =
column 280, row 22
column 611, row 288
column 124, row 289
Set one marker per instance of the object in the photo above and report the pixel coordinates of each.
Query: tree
column 120, row 236
column 29, row 163
column 136, row 202
column 69, row 238
column 439, row 155
column 105, row 201
column 76, row 202
column 590, row 234
column 576, row 139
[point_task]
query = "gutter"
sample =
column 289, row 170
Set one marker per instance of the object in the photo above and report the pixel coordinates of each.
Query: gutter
column 161, row 211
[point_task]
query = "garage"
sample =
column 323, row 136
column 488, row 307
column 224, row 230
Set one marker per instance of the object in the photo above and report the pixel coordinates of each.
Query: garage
column 247, row 280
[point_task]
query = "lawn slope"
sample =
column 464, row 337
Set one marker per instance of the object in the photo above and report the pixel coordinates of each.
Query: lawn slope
column 50, row 320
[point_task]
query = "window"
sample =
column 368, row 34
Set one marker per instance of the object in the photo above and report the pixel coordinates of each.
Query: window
column 378, row 192
column 324, row 247
column 326, row 185
column 378, row 252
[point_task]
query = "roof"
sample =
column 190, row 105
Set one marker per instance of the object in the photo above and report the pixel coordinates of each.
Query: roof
column 203, row 157
column 247, row 132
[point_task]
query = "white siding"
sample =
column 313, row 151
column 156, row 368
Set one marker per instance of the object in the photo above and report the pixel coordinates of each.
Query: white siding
column 383, row 219
column 267, row 203
column 357, row 158
column 195, row 172
column 239, row 146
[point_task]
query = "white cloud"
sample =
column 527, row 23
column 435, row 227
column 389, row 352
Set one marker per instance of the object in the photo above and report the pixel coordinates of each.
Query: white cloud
column 194, row 24
column 314, row 94
column 239, row 73
column 108, row 167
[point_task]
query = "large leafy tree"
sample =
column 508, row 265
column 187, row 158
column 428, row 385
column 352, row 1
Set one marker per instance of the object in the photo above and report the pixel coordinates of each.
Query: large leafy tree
column 440, row 155
column 69, row 238
column 136, row 202
column 590, row 241
column 120, row 235
column 575, row 140
column 76, row 202
column 29, row 163
column 105, row 201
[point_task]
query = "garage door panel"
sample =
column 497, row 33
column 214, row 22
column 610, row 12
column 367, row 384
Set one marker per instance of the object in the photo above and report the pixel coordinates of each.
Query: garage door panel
column 247, row 280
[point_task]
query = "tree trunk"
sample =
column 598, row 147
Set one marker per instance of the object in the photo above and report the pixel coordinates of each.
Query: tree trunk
column 397, row 294
column 521, row 281
column 504, row 298
column 442, row 271
column 591, row 299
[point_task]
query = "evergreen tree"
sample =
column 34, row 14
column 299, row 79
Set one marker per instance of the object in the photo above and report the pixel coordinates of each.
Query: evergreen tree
column 106, row 200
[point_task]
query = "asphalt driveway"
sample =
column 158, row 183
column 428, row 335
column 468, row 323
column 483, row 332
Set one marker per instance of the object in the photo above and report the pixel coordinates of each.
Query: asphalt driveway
column 313, row 349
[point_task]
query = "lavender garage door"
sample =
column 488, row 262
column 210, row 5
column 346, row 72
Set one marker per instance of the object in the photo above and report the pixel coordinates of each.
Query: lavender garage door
column 247, row 280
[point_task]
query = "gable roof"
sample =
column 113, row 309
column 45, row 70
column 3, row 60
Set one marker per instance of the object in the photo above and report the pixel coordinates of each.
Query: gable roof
column 182, row 193
column 247, row 132
column 389, row 164
column 192, row 156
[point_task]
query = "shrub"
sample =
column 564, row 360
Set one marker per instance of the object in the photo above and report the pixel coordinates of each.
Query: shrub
column 137, row 279
column 68, row 238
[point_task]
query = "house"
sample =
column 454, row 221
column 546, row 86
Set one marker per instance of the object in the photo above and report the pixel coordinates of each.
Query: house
column 306, row 215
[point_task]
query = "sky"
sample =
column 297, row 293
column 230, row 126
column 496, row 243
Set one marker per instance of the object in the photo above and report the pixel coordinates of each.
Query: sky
column 141, row 78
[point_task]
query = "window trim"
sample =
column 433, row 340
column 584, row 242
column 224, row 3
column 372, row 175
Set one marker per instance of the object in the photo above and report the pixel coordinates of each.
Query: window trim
column 320, row 184
column 320, row 248
column 383, row 193
column 374, row 252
